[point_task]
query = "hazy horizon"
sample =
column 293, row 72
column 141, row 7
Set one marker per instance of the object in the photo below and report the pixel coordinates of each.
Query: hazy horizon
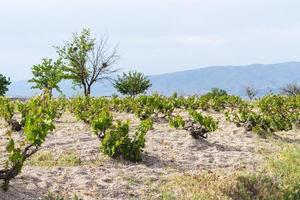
column 154, row 37
column 196, row 68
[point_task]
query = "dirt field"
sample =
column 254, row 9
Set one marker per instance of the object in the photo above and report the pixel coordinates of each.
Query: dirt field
column 89, row 174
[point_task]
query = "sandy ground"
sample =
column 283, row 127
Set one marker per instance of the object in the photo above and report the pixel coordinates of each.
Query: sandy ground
column 167, row 152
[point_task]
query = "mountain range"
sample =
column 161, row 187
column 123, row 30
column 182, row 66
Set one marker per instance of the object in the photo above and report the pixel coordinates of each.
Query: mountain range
column 233, row 79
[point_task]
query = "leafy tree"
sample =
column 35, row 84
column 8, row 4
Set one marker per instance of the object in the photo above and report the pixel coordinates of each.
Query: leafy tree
column 132, row 83
column 47, row 75
column 87, row 61
column 4, row 83
column 291, row 89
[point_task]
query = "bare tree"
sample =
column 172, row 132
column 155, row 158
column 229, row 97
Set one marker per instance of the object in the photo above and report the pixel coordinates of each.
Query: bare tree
column 101, row 62
column 291, row 89
column 88, row 61
column 251, row 92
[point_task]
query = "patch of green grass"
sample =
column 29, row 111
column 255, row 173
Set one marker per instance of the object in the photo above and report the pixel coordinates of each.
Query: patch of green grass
column 99, row 160
column 248, row 186
column 69, row 160
column 42, row 159
column 52, row 196
column 193, row 186
column 47, row 159
column 132, row 180
column 286, row 167
column 278, row 179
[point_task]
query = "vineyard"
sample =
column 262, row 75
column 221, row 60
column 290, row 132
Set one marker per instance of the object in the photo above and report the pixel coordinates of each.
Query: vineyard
column 128, row 148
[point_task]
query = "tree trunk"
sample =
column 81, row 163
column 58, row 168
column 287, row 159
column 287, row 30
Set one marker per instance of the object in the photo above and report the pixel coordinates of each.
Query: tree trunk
column 89, row 90
column 47, row 92
column 85, row 90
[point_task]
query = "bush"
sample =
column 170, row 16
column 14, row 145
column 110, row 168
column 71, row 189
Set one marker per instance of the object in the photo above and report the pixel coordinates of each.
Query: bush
column 208, row 122
column 132, row 83
column 38, row 123
column 267, row 115
column 7, row 110
column 102, row 123
column 176, row 122
column 118, row 143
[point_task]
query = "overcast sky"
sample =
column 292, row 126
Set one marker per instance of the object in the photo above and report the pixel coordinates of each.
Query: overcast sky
column 154, row 36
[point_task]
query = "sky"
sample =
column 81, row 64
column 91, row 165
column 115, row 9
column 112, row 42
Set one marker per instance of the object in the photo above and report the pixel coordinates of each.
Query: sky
column 153, row 37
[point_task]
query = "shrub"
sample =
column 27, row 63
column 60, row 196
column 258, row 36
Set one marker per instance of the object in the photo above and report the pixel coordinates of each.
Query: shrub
column 208, row 122
column 198, row 125
column 118, row 143
column 7, row 111
column 269, row 114
column 38, row 123
column 176, row 122
column 102, row 123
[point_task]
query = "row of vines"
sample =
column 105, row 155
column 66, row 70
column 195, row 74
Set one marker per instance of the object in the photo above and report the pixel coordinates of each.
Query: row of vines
column 28, row 123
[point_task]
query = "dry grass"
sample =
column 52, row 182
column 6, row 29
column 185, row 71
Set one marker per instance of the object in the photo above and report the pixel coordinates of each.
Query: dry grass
column 278, row 179
column 48, row 159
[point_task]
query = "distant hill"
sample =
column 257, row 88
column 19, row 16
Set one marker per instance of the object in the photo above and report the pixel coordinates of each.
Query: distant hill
column 233, row 79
